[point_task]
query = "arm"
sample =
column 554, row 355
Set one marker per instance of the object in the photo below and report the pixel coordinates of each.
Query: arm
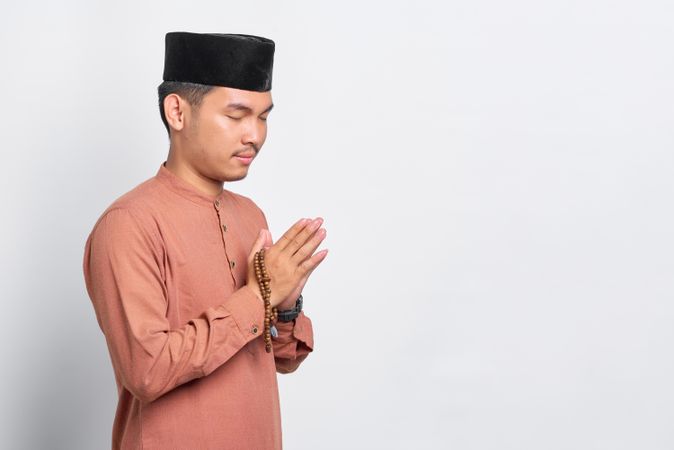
column 124, row 281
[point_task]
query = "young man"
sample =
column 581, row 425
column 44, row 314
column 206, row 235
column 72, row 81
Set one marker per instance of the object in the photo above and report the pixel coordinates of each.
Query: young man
column 169, row 265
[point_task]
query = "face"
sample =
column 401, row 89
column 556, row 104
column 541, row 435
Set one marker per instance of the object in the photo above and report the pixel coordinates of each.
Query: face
column 223, row 135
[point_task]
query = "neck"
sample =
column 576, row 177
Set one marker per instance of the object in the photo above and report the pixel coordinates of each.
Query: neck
column 184, row 170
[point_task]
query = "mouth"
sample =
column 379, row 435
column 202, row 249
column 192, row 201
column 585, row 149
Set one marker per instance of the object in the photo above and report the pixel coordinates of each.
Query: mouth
column 245, row 157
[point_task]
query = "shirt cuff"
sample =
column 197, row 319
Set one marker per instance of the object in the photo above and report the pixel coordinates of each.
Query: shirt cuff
column 247, row 311
column 299, row 329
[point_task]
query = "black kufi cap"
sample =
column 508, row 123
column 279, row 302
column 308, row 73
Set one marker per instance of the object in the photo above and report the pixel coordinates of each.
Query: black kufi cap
column 239, row 61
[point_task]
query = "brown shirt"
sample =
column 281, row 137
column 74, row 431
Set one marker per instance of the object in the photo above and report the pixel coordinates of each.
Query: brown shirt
column 165, row 267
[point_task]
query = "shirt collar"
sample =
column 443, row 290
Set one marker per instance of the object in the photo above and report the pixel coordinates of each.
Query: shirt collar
column 187, row 190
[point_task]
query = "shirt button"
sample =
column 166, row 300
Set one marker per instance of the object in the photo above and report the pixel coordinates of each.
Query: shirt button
column 232, row 264
column 217, row 204
column 253, row 329
column 224, row 227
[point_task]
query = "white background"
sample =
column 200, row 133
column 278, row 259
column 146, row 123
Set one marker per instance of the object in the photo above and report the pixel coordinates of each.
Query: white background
column 496, row 180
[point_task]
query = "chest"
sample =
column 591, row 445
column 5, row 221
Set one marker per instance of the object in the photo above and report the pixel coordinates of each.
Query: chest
column 205, row 259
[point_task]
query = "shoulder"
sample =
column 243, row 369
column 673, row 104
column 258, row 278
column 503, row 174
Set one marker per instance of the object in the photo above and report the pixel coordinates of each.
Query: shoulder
column 131, row 212
column 140, row 200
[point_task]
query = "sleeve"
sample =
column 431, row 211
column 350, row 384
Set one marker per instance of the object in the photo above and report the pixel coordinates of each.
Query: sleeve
column 295, row 339
column 293, row 344
column 123, row 274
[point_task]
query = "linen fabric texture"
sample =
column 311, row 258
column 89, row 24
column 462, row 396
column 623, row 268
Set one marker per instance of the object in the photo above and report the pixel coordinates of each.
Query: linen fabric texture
column 165, row 268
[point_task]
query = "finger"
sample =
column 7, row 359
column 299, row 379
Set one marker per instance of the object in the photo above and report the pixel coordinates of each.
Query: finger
column 289, row 235
column 310, row 264
column 303, row 236
column 310, row 246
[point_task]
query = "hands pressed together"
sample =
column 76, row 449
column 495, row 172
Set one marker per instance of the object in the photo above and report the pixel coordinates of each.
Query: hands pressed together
column 290, row 261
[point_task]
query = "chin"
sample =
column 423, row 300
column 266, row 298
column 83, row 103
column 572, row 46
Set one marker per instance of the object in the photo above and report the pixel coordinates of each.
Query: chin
column 235, row 176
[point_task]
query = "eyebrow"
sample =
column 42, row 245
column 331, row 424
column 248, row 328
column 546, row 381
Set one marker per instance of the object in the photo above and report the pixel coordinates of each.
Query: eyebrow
column 242, row 107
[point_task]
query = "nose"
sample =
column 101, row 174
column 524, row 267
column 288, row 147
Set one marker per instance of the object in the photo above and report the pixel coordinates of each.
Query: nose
column 255, row 134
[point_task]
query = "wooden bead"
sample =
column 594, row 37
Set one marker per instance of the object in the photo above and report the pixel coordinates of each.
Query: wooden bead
column 263, row 280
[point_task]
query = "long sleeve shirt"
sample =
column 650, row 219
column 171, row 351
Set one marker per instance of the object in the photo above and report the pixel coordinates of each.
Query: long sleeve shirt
column 165, row 268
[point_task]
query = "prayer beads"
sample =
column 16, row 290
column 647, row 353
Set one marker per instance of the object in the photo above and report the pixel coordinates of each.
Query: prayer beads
column 270, row 314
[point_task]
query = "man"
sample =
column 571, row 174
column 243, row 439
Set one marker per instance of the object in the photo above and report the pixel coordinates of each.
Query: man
column 169, row 265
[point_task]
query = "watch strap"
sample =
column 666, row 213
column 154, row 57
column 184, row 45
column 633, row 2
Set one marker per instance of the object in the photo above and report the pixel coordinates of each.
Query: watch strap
column 289, row 315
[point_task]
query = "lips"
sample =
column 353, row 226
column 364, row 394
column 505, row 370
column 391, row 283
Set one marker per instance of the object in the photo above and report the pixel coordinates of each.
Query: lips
column 245, row 155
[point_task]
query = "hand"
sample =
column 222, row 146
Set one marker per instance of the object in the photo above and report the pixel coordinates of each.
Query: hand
column 289, row 261
column 289, row 302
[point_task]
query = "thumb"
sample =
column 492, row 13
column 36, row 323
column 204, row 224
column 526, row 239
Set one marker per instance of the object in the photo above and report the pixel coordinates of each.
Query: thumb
column 257, row 245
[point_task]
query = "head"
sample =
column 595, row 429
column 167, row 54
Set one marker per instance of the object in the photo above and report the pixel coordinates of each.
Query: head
column 213, row 128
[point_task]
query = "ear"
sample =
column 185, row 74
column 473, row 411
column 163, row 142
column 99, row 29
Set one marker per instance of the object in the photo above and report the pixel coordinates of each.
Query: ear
column 174, row 110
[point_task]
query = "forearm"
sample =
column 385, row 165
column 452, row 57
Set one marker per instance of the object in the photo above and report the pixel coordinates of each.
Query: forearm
column 156, row 360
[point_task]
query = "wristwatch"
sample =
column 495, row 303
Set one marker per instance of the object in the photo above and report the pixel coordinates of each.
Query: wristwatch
column 289, row 315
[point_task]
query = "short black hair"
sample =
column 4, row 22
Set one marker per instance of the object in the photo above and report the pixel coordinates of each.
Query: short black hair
column 193, row 93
